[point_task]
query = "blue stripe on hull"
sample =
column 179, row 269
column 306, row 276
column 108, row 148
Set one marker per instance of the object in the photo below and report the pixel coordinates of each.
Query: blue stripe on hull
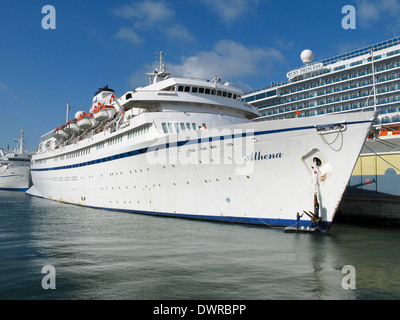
column 324, row 226
column 282, row 223
column 15, row 189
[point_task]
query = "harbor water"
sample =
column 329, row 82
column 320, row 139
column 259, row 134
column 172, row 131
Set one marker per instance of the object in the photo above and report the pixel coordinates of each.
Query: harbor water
column 99, row 254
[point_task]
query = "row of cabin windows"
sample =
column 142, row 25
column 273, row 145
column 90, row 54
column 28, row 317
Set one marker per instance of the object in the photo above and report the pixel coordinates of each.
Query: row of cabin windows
column 350, row 75
column 215, row 92
column 132, row 133
column 77, row 153
column 329, row 90
column 179, row 127
column 114, row 140
column 138, row 131
column 20, row 160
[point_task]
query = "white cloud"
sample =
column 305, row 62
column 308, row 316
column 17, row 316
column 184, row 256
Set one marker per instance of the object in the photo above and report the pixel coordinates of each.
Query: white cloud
column 8, row 92
column 149, row 15
column 3, row 86
column 230, row 10
column 130, row 35
column 228, row 59
column 177, row 32
column 139, row 78
column 369, row 11
column 390, row 5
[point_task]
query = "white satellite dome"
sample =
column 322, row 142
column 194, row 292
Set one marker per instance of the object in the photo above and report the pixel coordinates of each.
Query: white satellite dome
column 307, row 56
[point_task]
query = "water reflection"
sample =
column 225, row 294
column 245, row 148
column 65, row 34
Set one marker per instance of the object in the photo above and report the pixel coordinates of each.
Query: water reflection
column 100, row 254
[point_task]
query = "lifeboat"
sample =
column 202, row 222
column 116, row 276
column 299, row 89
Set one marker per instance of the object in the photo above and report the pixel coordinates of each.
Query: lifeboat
column 71, row 127
column 104, row 112
column 59, row 133
column 389, row 133
column 85, row 120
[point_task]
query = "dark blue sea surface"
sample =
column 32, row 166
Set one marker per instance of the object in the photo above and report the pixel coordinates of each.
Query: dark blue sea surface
column 99, row 254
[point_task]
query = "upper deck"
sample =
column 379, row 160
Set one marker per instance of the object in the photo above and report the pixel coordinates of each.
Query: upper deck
column 159, row 109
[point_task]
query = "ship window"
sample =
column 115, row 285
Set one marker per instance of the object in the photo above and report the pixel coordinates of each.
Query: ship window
column 183, row 128
column 194, row 89
column 213, row 92
column 177, row 128
column 171, row 88
column 207, row 91
column 219, row 93
column 188, row 126
column 234, row 96
column 224, row 94
column 229, row 95
column 194, row 126
column 171, row 129
column 180, row 88
column 201, row 90
column 128, row 96
column 187, row 89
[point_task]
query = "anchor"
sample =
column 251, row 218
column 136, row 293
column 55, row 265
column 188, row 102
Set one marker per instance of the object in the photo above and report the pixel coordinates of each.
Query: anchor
column 315, row 218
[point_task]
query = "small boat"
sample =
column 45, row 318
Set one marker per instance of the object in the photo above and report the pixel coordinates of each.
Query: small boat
column 85, row 120
column 388, row 133
column 71, row 127
column 59, row 133
column 104, row 112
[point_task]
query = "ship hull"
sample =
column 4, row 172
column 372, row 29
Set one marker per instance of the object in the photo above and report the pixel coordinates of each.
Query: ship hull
column 257, row 172
column 16, row 178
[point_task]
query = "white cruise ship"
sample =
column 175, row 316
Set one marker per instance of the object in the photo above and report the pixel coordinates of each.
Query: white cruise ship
column 15, row 168
column 184, row 147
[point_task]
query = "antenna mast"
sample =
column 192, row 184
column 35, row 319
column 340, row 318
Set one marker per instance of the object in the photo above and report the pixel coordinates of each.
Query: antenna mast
column 21, row 142
column 161, row 73
column 68, row 108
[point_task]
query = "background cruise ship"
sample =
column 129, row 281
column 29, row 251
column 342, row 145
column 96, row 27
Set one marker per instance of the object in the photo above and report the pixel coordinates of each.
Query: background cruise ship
column 341, row 84
column 15, row 173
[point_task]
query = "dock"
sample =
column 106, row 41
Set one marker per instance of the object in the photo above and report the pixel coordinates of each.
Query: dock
column 373, row 193
column 300, row 230
column 370, row 209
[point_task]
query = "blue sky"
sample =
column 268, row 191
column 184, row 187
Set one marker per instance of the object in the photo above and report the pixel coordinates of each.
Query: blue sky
column 248, row 42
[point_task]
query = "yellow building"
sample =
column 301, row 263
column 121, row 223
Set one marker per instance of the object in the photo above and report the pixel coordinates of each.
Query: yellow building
column 377, row 169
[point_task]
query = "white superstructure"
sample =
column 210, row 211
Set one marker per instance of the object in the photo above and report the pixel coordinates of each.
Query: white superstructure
column 189, row 148
column 15, row 168
column 361, row 79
